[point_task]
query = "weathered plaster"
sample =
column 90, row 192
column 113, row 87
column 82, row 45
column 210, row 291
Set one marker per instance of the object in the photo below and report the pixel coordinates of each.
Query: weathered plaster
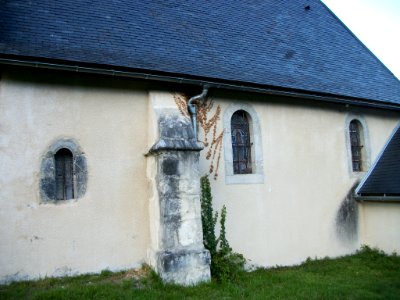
column 347, row 220
column 292, row 215
column 117, row 224
column 108, row 227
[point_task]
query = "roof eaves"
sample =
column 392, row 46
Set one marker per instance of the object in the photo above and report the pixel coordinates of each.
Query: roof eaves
column 190, row 80
column 378, row 198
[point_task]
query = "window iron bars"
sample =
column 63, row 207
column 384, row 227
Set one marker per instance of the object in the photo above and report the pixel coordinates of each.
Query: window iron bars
column 241, row 145
column 356, row 146
column 64, row 174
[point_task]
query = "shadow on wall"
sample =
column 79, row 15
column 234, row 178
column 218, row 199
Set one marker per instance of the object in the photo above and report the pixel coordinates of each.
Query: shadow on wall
column 347, row 218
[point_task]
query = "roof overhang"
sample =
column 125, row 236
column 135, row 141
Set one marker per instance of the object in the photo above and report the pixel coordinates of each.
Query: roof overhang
column 378, row 198
column 189, row 80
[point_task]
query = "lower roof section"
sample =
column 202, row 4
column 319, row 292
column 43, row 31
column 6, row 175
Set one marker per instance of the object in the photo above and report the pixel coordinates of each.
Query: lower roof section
column 383, row 179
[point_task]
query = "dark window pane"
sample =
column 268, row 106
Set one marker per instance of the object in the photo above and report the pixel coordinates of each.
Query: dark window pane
column 356, row 145
column 60, row 171
column 241, row 146
column 64, row 174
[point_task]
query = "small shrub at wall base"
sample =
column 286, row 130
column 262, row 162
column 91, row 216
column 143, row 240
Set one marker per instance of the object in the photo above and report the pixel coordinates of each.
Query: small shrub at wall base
column 225, row 264
column 373, row 254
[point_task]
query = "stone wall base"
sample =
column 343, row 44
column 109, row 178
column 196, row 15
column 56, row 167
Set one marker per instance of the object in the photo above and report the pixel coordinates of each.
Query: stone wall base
column 184, row 267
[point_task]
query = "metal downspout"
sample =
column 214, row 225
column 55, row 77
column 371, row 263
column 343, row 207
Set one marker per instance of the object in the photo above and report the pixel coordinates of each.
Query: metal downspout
column 192, row 107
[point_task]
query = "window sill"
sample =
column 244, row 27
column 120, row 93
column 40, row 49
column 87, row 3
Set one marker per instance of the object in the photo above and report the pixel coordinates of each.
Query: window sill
column 244, row 179
column 359, row 175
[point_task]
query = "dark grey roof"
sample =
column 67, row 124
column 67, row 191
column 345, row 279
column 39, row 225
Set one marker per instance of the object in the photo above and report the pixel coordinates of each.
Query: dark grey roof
column 295, row 45
column 384, row 176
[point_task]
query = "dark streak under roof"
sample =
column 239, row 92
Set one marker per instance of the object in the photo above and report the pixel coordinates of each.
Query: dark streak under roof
column 296, row 44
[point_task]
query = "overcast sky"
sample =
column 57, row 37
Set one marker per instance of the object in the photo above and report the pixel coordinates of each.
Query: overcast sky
column 376, row 23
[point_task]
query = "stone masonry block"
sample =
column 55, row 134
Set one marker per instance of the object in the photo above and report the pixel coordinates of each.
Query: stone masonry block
column 185, row 267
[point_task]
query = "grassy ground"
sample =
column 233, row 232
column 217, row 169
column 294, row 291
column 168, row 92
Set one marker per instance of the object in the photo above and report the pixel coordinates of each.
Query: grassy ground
column 367, row 275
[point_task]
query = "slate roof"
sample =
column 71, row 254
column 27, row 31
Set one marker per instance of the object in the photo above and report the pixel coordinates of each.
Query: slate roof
column 384, row 177
column 296, row 45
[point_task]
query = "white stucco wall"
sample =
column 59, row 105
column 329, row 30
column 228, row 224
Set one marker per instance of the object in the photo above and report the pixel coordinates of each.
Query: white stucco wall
column 292, row 214
column 380, row 223
column 108, row 227
column 282, row 219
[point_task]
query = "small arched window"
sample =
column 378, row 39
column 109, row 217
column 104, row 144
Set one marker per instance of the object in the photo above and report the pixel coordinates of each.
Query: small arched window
column 357, row 144
column 241, row 144
column 64, row 174
column 243, row 152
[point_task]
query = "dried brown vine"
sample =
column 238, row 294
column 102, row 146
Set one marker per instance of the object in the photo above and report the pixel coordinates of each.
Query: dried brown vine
column 181, row 101
column 209, row 125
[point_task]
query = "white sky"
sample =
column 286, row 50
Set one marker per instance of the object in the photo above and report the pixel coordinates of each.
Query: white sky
column 376, row 23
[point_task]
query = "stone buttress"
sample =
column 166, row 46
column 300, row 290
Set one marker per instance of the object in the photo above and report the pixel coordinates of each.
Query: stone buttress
column 178, row 254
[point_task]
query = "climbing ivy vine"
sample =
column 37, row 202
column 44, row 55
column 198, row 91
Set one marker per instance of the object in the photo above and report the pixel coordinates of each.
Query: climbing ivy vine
column 225, row 264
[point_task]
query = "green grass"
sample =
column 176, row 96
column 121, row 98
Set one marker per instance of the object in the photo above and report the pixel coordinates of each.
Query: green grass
column 369, row 274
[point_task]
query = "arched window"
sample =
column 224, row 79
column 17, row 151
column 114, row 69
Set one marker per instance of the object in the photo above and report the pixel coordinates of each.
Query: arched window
column 357, row 144
column 243, row 153
column 241, row 144
column 64, row 174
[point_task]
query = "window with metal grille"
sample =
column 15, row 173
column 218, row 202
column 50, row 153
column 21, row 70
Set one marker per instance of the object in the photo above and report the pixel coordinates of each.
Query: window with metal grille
column 241, row 144
column 64, row 174
column 356, row 143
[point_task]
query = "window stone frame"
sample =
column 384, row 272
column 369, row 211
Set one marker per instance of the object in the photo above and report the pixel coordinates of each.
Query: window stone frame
column 257, row 175
column 366, row 153
column 47, row 185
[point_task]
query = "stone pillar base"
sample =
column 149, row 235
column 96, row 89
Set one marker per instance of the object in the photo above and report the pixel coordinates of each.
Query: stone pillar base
column 184, row 267
column 177, row 235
